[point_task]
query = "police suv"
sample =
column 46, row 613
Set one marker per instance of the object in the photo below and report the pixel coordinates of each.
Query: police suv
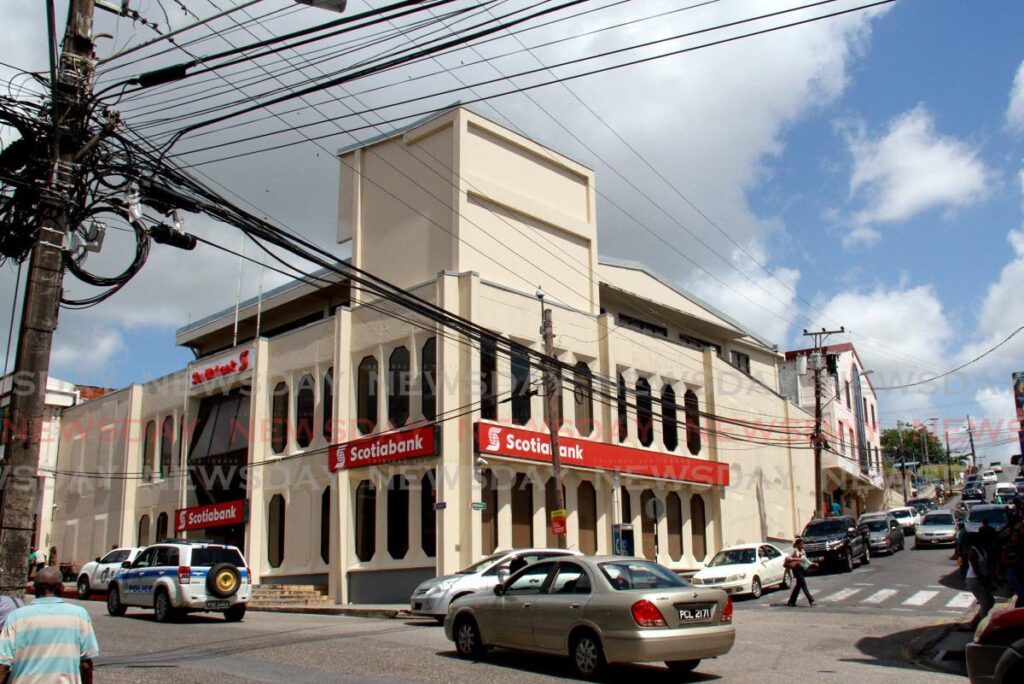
column 180, row 576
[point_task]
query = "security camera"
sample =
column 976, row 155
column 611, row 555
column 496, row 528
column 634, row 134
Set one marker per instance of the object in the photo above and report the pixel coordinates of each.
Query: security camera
column 540, row 293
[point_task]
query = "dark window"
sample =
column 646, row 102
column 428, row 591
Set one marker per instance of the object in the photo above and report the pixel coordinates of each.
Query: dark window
column 627, row 505
column 644, row 412
column 305, row 403
column 143, row 531
column 674, row 520
column 428, row 379
column 621, row 405
column 570, row 579
column 161, row 527
column 873, row 423
column 211, row 555
column 700, row 344
column 147, row 557
column 697, row 527
column 669, row 424
column 366, row 395
column 428, row 516
column 149, row 451
column 488, row 380
column 166, row 446
column 398, row 387
column 692, row 409
column 520, row 387
column 586, row 513
column 118, row 556
column 325, row 525
column 531, row 579
column 650, row 511
column 583, row 398
column 366, row 521
column 279, row 418
column 522, row 512
column 398, row 516
column 327, row 403
column 741, row 361
column 275, row 531
column 557, row 389
column 644, row 326
column 166, row 556
column 489, row 516
column 849, row 402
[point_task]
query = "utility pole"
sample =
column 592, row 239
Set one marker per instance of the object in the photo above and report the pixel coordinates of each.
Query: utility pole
column 949, row 465
column 970, row 435
column 903, row 460
column 553, row 396
column 818, row 438
column 71, row 95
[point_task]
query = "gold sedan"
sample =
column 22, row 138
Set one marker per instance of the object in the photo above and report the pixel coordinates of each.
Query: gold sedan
column 597, row 610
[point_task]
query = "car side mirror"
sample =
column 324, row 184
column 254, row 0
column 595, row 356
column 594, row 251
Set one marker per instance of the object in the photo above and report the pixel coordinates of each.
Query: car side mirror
column 97, row 559
column 499, row 589
column 126, row 564
column 503, row 574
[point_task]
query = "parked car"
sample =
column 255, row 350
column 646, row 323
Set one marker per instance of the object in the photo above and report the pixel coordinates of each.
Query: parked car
column 597, row 610
column 989, row 477
column 745, row 569
column 994, row 514
column 997, row 654
column 937, row 527
column 432, row 597
column 174, row 578
column 974, row 492
column 835, row 542
column 96, row 575
column 907, row 516
column 885, row 534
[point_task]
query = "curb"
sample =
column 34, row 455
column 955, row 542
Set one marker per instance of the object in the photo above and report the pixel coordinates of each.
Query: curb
column 922, row 656
column 375, row 613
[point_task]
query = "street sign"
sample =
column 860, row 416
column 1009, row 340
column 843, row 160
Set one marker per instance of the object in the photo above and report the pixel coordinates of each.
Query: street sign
column 478, row 505
column 440, row 505
column 558, row 521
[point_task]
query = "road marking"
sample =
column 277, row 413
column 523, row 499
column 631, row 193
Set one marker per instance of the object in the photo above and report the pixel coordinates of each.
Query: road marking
column 863, row 584
column 841, row 595
column 920, row 598
column 964, row 599
column 880, row 596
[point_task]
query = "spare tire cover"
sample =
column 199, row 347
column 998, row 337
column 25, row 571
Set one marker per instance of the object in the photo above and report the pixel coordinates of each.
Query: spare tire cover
column 223, row 580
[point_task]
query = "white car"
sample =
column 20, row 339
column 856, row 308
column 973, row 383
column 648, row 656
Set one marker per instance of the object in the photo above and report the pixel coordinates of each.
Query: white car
column 96, row 575
column 989, row 477
column 745, row 569
column 908, row 518
column 997, row 468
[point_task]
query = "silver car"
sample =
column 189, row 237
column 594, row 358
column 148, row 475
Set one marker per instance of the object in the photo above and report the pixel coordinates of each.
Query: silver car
column 432, row 597
column 937, row 527
column 994, row 514
column 597, row 610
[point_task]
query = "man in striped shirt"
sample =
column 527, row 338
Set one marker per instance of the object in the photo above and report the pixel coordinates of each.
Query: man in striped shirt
column 48, row 640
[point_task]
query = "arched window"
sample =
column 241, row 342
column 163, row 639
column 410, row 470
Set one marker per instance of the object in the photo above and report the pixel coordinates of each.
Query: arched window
column 327, row 403
column 166, row 446
column 398, row 387
column 325, row 525
column 650, row 510
column 550, row 504
column 144, row 531
column 674, row 520
column 305, row 402
column 692, row 410
column 366, row 521
column 428, row 516
column 279, row 418
column 626, row 505
column 398, row 517
column 488, row 380
column 428, row 379
column 644, row 412
column 489, row 516
column 366, row 395
column 275, row 531
column 161, row 527
column 586, row 513
column 520, row 387
column 522, row 512
column 697, row 527
column 583, row 398
column 669, row 424
column 149, row 451
column 621, row 405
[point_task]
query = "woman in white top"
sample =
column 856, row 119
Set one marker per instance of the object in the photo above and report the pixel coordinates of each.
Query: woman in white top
column 798, row 563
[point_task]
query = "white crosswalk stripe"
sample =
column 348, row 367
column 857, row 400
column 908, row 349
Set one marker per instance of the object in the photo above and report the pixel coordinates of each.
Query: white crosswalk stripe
column 920, row 598
column 841, row 595
column 964, row 599
column 880, row 596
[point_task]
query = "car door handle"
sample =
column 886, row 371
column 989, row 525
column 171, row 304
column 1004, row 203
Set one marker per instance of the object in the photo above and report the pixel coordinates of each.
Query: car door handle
column 527, row 605
column 574, row 605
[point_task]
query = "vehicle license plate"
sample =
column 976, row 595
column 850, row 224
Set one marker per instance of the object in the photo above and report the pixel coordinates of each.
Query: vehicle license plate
column 218, row 605
column 815, row 559
column 696, row 613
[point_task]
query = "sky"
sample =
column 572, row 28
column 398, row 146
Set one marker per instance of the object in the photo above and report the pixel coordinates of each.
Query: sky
column 864, row 171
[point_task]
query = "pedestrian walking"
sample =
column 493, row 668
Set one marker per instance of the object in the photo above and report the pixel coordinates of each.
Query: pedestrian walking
column 48, row 640
column 961, row 548
column 979, row 574
column 798, row 563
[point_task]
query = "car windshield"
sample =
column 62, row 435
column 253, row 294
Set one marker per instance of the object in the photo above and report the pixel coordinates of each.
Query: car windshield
column 482, row 565
column 939, row 519
column 626, row 575
column 989, row 515
column 824, row 527
column 877, row 525
column 211, row 555
column 734, row 557
column 900, row 514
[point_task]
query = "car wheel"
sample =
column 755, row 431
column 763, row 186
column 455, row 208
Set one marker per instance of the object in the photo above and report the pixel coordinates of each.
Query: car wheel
column 682, row 666
column 235, row 613
column 83, row 588
column 163, row 611
column 467, row 639
column 587, row 656
column 787, row 579
column 755, row 587
column 114, row 605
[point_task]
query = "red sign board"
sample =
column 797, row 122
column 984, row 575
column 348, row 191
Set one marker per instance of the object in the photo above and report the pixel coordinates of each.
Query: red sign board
column 503, row 440
column 558, row 522
column 233, row 365
column 215, row 515
column 394, row 446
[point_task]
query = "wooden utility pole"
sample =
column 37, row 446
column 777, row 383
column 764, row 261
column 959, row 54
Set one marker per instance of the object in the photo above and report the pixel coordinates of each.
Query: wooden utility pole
column 970, row 436
column 23, row 434
column 553, row 397
column 817, row 362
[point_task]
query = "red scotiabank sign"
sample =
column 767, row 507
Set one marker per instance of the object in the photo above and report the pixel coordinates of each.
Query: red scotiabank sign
column 214, row 515
column 239, row 363
column 393, row 446
column 503, row 440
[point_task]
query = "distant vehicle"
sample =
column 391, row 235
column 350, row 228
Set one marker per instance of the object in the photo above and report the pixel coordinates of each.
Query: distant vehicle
column 997, row 654
column 1015, row 459
column 907, row 516
column 1005, row 492
column 836, row 542
column 973, row 493
column 885, row 534
column 994, row 514
column 996, row 466
column 745, row 569
column 989, row 477
column 96, row 575
column 921, row 505
column 597, row 610
column 937, row 527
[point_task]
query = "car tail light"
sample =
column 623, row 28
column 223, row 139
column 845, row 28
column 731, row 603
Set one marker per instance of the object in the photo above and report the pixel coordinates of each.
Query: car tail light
column 727, row 613
column 647, row 614
column 248, row 576
column 184, row 574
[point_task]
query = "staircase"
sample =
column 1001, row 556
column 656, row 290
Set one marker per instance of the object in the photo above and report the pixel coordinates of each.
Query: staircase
column 285, row 596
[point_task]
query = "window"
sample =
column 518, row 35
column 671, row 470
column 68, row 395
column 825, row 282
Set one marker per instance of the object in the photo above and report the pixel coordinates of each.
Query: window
column 428, row 379
column 279, row 418
column 625, row 575
column 398, row 516
column 697, row 526
column 674, row 520
column 304, row 404
column 649, row 513
column 143, row 531
column 583, row 398
column 366, row 521
column 700, row 344
column 627, row 505
column 147, row 558
column 366, row 395
column 531, row 579
column 644, row 412
column 211, row 555
column 570, row 579
column 520, row 387
column 522, row 512
column 166, row 446
column 865, row 402
column 557, row 389
column 669, row 424
column 849, row 402
column 428, row 516
column 692, row 410
column 325, row 525
column 621, row 405
column 741, row 361
column 873, row 423
column 488, row 379
column 149, row 451
column 327, row 403
column 586, row 513
column 275, row 531
column 119, row 556
column 398, row 387
column 489, row 516
column 161, row 527
column 166, row 556
column 643, row 326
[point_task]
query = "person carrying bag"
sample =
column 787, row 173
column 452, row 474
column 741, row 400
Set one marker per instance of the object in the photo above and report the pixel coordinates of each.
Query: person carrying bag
column 798, row 563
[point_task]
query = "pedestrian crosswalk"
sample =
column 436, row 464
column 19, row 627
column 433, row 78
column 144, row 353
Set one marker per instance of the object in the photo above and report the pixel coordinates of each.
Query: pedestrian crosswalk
column 901, row 597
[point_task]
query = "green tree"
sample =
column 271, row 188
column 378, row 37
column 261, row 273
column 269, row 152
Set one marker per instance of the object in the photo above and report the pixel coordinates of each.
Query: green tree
column 913, row 443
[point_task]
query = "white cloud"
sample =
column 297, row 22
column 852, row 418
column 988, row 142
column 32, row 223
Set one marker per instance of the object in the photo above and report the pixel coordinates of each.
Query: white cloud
column 995, row 430
column 1015, row 112
column 87, row 349
column 864, row 236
